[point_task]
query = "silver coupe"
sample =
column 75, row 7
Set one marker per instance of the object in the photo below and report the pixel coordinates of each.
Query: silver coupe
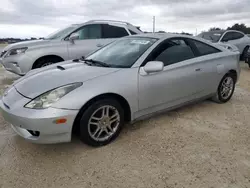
column 127, row 80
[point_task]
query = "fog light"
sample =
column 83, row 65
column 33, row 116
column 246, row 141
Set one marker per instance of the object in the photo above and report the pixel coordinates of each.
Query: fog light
column 34, row 133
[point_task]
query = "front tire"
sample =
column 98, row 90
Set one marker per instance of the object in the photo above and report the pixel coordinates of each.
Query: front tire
column 102, row 122
column 46, row 61
column 226, row 89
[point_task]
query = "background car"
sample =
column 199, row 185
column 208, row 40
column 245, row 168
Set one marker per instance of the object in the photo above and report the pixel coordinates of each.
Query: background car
column 127, row 80
column 236, row 38
column 72, row 42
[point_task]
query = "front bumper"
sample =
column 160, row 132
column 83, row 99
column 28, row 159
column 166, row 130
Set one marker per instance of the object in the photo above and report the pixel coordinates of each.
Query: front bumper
column 24, row 120
column 18, row 64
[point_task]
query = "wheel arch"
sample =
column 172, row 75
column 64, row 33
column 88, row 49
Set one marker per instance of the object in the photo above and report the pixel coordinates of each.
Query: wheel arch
column 124, row 103
column 46, row 56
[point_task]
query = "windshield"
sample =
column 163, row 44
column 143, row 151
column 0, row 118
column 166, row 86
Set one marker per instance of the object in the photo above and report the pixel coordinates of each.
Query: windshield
column 122, row 53
column 61, row 32
column 212, row 36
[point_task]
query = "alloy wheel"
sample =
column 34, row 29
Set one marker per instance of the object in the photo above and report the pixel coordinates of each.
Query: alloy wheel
column 227, row 87
column 103, row 123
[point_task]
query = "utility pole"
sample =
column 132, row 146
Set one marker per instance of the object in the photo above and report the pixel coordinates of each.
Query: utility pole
column 153, row 24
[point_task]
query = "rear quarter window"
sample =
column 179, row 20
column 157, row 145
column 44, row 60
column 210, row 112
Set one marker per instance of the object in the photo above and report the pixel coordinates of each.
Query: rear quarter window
column 110, row 31
column 238, row 35
column 204, row 49
column 132, row 32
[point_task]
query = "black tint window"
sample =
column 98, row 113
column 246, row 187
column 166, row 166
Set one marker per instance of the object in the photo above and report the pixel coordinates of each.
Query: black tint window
column 237, row 35
column 132, row 32
column 90, row 32
column 204, row 49
column 174, row 51
column 228, row 36
column 110, row 31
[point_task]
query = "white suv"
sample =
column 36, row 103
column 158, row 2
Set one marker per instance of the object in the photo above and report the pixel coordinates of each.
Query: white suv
column 229, row 37
column 72, row 42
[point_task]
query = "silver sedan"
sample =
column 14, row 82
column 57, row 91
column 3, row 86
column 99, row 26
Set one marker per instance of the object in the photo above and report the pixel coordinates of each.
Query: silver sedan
column 127, row 80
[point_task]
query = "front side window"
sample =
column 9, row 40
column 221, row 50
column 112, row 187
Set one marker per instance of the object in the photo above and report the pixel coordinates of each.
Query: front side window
column 90, row 32
column 124, row 52
column 172, row 51
column 204, row 49
column 110, row 31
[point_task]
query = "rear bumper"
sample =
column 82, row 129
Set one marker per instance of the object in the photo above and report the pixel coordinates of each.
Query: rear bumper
column 24, row 120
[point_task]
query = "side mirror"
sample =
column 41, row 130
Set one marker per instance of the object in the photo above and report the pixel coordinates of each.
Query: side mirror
column 73, row 36
column 153, row 66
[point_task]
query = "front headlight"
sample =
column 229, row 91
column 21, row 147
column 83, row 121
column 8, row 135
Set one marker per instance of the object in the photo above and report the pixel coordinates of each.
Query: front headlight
column 47, row 99
column 17, row 51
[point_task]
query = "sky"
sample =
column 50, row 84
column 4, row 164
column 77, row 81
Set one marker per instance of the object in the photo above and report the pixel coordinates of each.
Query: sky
column 38, row 18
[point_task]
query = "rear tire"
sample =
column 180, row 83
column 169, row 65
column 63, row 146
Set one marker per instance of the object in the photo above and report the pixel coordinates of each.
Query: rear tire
column 225, row 89
column 244, row 54
column 97, row 125
column 247, row 59
column 46, row 61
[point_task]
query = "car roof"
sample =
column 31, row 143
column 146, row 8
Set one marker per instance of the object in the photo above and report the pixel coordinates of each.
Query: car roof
column 112, row 22
column 222, row 31
column 161, row 35
column 164, row 36
column 216, row 31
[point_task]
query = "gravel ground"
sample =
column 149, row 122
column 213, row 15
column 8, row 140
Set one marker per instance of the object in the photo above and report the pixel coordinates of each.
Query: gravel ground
column 204, row 145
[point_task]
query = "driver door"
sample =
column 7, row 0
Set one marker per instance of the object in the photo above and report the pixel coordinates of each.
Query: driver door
column 177, row 83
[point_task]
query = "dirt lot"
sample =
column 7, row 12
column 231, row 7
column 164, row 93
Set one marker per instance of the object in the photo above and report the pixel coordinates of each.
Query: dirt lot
column 202, row 145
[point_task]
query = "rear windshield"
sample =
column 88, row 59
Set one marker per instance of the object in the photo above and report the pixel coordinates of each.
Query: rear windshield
column 211, row 36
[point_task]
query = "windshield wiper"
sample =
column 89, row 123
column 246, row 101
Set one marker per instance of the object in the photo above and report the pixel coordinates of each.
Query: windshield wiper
column 97, row 62
column 82, row 59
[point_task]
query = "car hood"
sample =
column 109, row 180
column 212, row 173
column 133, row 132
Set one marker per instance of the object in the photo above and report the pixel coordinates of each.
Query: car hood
column 44, row 79
column 26, row 44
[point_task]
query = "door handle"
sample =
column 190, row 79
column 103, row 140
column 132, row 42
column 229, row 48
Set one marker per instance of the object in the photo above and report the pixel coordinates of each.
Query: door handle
column 198, row 69
column 99, row 45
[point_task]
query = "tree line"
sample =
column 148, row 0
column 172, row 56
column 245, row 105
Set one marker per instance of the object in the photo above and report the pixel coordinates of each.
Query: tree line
column 14, row 40
column 238, row 26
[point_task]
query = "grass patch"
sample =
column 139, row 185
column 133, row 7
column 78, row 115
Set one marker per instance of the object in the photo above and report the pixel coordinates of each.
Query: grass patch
column 3, row 45
column 7, row 81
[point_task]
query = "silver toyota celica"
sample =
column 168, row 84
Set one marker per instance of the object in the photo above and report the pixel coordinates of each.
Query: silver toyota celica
column 129, row 79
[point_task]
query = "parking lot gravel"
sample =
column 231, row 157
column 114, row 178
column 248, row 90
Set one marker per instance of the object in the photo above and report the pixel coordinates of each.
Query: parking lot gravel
column 204, row 145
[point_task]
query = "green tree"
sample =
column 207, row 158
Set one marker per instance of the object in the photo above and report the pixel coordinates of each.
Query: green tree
column 215, row 29
column 240, row 27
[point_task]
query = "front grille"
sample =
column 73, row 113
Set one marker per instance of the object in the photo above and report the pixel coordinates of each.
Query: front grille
column 2, row 53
